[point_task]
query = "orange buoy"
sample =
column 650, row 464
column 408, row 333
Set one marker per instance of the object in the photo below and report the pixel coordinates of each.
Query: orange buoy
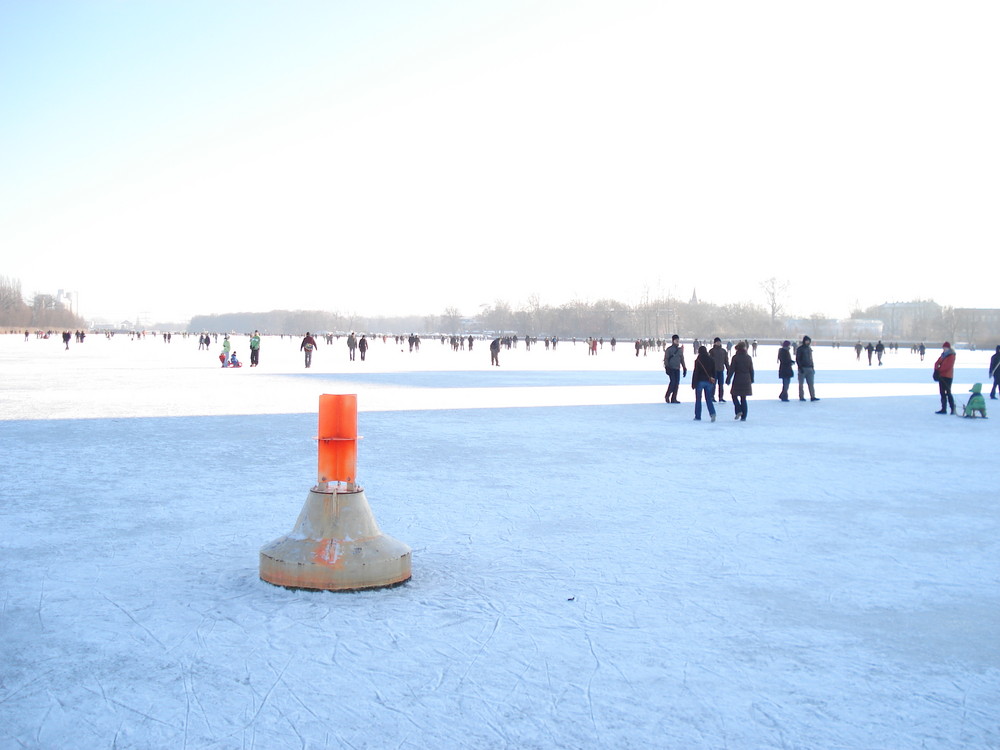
column 336, row 544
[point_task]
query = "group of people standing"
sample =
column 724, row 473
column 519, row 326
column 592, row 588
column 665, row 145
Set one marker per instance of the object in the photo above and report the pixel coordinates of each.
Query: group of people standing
column 713, row 367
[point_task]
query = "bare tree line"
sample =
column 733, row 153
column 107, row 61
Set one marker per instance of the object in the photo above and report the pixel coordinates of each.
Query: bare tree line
column 42, row 312
column 651, row 318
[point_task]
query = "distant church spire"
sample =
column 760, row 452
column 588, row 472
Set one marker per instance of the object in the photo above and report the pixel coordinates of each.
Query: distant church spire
column 694, row 296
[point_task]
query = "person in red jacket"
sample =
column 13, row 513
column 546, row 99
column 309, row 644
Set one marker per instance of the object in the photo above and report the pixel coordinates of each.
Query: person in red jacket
column 944, row 372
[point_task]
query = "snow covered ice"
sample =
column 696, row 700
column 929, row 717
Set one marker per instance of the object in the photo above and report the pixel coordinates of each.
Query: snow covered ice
column 591, row 567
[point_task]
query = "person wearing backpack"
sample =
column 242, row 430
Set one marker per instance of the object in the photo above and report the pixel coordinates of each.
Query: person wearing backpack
column 308, row 345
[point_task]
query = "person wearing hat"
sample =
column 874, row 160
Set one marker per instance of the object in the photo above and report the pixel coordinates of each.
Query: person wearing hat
column 807, row 371
column 785, row 369
column 976, row 403
column 944, row 373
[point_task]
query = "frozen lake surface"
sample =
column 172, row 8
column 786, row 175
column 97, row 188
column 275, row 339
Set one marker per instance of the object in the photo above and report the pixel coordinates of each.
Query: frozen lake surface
column 591, row 568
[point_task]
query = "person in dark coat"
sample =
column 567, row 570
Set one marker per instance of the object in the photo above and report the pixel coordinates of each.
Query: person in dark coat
column 673, row 363
column 995, row 373
column 495, row 352
column 741, row 377
column 785, row 370
column 703, row 382
column 807, row 370
column 308, row 345
column 721, row 358
column 362, row 347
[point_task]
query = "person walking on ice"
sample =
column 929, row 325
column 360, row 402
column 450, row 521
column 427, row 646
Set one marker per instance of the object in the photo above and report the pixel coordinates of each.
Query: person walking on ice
column 944, row 373
column 308, row 345
column 703, row 382
column 721, row 359
column 673, row 363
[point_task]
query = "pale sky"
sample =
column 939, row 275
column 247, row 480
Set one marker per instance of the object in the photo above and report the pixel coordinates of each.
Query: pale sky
column 168, row 159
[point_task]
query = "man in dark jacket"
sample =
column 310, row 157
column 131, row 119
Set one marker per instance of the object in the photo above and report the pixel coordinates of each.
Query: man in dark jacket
column 673, row 363
column 995, row 373
column 785, row 369
column 308, row 345
column 807, row 372
column 721, row 359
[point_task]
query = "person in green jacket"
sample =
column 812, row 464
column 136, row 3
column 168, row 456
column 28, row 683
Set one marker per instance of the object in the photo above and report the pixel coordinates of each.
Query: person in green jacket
column 976, row 402
column 255, row 349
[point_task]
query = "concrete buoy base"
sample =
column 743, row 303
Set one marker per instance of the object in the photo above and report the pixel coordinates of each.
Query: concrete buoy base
column 336, row 545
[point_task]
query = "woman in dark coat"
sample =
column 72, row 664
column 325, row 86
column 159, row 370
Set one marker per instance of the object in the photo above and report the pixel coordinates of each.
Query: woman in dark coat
column 785, row 369
column 703, row 382
column 741, row 377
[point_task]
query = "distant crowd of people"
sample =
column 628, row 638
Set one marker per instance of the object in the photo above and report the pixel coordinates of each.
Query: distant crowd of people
column 713, row 370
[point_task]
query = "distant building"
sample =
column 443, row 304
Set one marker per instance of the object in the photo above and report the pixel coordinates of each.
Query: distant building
column 834, row 329
column 909, row 321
